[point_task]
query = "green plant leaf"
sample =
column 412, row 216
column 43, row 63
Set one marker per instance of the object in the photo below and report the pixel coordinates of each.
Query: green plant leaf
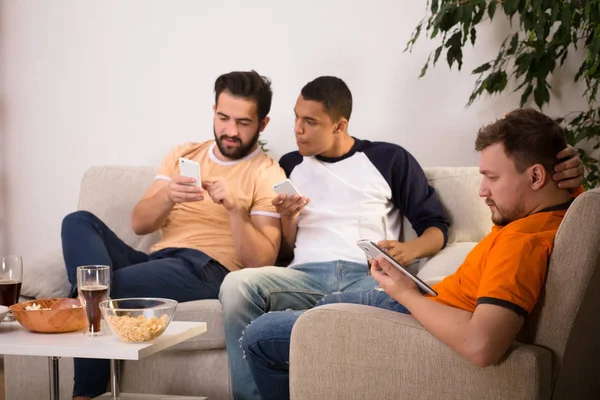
column 581, row 71
column 479, row 13
column 564, row 57
column 454, row 45
column 514, row 43
column 522, row 63
column 424, row 69
column 448, row 19
column 473, row 35
column 526, row 94
column 495, row 82
column 434, row 6
column 482, row 68
column 415, row 36
column 492, row 9
column 541, row 95
column 510, row 7
column 438, row 51
column 540, row 28
column 565, row 17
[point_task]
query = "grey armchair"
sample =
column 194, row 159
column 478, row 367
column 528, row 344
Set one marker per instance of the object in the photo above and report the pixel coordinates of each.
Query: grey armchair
column 346, row 351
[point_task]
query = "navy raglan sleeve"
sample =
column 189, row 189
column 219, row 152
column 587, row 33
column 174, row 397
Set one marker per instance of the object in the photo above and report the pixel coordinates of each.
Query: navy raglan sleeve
column 288, row 161
column 411, row 192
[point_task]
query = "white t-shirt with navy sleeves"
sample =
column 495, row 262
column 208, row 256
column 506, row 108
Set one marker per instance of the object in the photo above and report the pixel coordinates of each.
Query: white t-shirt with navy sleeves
column 363, row 193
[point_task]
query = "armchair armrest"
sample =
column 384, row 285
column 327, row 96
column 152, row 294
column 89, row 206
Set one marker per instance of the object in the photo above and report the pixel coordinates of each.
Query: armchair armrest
column 349, row 351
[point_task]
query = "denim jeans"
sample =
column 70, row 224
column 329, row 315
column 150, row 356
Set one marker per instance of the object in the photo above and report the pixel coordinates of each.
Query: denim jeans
column 266, row 342
column 252, row 292
column 175, row 273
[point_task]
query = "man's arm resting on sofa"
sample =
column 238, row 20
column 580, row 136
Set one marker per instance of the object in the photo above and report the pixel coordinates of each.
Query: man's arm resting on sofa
column 482, row 337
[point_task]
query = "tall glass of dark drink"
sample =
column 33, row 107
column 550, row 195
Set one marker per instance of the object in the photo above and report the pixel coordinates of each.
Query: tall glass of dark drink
column 11, row 277
column 93, row 286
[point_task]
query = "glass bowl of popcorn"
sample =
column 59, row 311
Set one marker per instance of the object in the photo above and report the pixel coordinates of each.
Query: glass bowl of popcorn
column 137, row 320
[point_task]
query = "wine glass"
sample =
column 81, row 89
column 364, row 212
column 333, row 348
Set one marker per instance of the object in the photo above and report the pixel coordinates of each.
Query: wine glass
column 11, row 279
column 93, row 286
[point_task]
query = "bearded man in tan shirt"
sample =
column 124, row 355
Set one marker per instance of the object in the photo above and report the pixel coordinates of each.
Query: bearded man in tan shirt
column 225, row 224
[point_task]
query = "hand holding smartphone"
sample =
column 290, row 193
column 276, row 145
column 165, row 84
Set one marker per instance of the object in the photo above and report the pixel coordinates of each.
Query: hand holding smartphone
column 190, row 169
column 289, row 206
column 286, row 187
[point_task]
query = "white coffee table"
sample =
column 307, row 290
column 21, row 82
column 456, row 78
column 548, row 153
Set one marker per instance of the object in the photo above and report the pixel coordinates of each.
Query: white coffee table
column 15, row 340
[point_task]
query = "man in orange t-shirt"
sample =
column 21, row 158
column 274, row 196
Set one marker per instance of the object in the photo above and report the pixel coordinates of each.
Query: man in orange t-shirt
column 226, row 223
column 482, row 306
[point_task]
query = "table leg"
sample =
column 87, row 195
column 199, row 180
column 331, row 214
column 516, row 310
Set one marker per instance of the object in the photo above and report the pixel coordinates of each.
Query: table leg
column 53, row 374
column 114, row 381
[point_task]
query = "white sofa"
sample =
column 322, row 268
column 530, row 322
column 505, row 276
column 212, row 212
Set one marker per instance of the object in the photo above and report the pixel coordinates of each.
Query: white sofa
column 199, row 366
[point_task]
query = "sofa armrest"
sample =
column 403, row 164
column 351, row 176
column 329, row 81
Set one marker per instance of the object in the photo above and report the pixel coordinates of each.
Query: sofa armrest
column 349, row 351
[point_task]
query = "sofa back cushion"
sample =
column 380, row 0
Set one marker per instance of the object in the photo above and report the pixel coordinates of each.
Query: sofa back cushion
column 458, row 190
column 111, row 193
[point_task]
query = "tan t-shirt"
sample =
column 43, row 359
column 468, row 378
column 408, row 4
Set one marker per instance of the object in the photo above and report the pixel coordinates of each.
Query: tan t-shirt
column 204, row 225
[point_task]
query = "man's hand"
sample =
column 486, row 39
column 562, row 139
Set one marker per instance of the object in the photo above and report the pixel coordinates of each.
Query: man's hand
column 569, row 173
column 290, row 207
column 219, row 192
column 401, row 252
column 180, row 190
column 392, row 281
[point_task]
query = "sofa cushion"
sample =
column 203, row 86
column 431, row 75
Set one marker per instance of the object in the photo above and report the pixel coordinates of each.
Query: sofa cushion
column 111, row 193
column 208, row 311
column 445, row 262
column 458, row 191
column 45, row 278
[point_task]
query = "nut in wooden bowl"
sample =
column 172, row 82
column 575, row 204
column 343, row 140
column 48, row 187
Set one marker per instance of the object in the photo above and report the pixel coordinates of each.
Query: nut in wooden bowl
column 57, row 315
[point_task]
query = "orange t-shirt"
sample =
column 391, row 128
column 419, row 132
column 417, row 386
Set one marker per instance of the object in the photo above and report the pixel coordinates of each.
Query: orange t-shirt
column 204, row 225
column 507, row 268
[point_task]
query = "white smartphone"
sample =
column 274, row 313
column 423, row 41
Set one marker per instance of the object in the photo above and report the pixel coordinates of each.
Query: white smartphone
column 374, row 251
column 286, row 187
column 191, row 169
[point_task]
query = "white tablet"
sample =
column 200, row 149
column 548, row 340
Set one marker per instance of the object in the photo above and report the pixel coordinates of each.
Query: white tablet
column 374, row 251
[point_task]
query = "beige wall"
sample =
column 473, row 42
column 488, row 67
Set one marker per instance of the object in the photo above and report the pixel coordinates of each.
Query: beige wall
column 120, row 82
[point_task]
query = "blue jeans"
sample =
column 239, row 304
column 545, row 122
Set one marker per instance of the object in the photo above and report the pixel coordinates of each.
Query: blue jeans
column 175, row 273
column 266, row 342
column 250, row 293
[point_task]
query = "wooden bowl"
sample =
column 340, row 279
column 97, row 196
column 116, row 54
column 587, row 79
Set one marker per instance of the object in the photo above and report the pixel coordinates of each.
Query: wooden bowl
column 64, row 315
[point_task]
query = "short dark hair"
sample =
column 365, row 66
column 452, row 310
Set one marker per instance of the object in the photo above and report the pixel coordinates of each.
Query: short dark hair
column 248, row 85
column 333, row 93
column 529, row 137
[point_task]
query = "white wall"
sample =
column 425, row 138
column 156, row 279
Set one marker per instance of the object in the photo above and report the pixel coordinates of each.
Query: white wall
column 119, row 82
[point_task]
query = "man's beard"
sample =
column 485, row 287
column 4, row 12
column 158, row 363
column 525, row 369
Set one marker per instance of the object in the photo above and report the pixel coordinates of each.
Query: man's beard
column 503, row 217
column 235, row 153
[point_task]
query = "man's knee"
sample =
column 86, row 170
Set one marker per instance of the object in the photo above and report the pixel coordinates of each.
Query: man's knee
column 330, row 299
column 273, row 326
column 239, row 285
column 76, row 219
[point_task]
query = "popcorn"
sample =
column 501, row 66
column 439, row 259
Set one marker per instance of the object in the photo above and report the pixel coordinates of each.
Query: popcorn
column 38, row 307
column 140, row 329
